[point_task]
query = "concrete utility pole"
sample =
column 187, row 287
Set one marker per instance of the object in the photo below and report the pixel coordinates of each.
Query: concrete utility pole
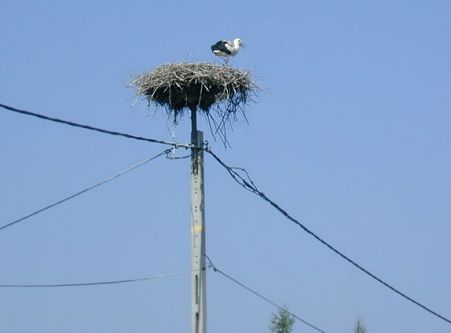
column 219, row 92
column 198, row 275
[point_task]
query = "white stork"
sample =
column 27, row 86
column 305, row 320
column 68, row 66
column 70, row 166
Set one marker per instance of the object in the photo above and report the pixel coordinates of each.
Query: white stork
column 226, row 48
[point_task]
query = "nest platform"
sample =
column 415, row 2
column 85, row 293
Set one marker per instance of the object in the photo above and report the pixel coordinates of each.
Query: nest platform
column 196, row 86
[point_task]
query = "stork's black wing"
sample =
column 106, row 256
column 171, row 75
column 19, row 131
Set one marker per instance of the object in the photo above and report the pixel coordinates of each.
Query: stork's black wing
column 221, row 46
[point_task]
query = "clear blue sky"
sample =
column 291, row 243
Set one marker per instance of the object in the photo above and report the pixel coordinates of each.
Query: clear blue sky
column 352, row 136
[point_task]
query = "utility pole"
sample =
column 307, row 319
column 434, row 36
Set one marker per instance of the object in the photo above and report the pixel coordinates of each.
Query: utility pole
column 219, row 92
column 198, row 275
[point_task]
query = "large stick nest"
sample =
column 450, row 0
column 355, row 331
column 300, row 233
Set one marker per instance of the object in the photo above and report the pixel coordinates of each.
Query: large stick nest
column 197, row 86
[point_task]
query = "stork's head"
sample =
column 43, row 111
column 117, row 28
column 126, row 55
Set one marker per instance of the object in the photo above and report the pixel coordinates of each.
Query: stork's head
column 238, row 43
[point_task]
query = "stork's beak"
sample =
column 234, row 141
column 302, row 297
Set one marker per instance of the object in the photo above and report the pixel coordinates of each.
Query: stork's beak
column 242, row 45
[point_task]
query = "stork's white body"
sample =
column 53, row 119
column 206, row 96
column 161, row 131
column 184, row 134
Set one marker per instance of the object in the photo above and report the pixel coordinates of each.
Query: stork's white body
column 226, row 48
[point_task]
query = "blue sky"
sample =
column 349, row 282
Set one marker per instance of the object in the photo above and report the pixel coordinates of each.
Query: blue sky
column 351, row 136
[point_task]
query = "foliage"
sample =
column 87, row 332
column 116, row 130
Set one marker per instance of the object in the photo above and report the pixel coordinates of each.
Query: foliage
column 359, row 327
column 282, row 322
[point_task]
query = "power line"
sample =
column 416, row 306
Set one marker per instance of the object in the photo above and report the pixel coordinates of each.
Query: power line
column 97, row 283
column 247, row 183
column 91, row 128
column 217, row 270
column 233, row 172
column 107, row 180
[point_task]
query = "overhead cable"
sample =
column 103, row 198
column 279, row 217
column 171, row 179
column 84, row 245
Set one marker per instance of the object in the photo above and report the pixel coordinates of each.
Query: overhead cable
column 107, row 180
column 96, row 283
column 92, row 128
column 247, row 183
column 267, row 300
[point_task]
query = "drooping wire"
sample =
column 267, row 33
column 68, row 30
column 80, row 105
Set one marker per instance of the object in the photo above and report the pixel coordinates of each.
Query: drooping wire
column 107, row 180
column 242, row 285
column 247, row 183
column 92, row 128
column 233, row 172
column 96, row 283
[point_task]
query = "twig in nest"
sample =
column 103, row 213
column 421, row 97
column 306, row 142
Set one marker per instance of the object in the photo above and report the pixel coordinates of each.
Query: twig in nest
column 204, row 87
